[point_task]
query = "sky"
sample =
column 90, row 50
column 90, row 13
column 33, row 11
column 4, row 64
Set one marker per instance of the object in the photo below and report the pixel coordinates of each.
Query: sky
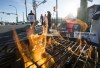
column 65, row 7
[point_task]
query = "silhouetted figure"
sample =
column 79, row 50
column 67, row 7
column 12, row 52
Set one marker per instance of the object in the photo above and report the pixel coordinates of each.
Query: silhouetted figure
column 41, row 19
column 44, row 19
column 31, row 17
column 49, row 20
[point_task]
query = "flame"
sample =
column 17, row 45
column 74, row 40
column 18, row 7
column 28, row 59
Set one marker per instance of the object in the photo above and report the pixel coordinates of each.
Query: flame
column 34, row 54
column 22, row 49
column 89, row 48
column 60, row 36
column 50, row 42
column 82, row 24
column 79, row 40
column 90, row 51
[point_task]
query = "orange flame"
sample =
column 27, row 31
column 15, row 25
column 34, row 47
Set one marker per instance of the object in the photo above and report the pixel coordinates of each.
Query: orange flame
column 34, row 53
column 80, row 42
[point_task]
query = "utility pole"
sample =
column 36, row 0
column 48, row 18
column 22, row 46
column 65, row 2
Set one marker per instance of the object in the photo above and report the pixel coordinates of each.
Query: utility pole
column 16, row 13
column 1, row 19
column 82, row 12
column 26, row 10
column 34, row 7
column 56, row 12
column 23, row 17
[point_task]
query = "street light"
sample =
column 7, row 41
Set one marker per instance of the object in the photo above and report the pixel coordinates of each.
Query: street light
column 26, row 9
column 23, row 18
column 16, row 13
column 56, row 12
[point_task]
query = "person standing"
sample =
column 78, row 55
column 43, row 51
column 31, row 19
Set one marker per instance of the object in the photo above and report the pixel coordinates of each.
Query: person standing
column 41, row 19
column 49, row 20
column 44, row 19
column 31, row 18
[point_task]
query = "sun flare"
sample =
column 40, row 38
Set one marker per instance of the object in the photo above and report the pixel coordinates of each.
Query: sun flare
column 69, row 9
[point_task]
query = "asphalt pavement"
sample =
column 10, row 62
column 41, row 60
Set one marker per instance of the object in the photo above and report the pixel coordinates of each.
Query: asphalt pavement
column 6, row 33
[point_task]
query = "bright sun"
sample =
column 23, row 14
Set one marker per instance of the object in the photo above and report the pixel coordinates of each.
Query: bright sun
column 69, row 9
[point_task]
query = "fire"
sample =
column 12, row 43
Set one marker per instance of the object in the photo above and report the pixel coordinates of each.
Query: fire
column 34, row 54
column 82, row 24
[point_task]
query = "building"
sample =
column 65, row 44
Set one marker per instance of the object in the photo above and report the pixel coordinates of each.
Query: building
column 91, row 10
column 94, row 19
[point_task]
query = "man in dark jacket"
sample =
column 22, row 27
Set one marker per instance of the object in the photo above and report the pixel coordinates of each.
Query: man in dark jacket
column 41, row 19
column 49, row 20
column 31, row 17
